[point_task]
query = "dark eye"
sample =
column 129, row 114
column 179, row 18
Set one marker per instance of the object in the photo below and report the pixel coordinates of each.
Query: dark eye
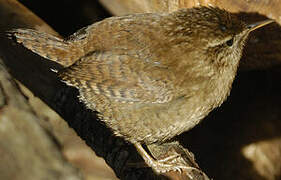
column 223, row 28
column 229, row 42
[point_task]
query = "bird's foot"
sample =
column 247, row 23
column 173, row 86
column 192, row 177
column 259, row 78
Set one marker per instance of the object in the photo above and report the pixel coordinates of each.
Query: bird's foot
column 167, row 164
column 163, row 166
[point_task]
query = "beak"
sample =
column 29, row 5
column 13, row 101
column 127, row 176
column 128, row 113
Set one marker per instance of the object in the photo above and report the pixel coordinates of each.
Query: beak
column 254, row 26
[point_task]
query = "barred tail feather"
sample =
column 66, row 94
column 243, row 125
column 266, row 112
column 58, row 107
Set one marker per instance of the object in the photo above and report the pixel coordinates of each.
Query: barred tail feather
column 47, row 46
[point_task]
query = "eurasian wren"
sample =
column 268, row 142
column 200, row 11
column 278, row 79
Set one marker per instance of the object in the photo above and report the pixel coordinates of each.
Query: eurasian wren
column 150, row 76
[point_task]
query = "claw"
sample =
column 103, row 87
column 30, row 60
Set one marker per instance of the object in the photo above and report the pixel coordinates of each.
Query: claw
column 163, row 166
column 169, row 158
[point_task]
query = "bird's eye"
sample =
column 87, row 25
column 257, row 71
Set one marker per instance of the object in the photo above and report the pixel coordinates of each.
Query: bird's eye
column 229, row 42
column 223, row 28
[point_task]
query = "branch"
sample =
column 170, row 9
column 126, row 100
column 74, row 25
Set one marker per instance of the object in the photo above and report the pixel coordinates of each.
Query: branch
column 24, row 143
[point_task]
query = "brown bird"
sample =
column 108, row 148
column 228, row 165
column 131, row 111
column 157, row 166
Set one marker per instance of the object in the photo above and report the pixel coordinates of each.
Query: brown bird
column 150, row 76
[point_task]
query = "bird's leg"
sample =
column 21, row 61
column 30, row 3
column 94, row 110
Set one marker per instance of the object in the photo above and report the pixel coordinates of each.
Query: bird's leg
column 161, row 166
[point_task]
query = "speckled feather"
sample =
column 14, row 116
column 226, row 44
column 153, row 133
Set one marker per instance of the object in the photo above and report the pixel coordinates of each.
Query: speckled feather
column 122, row 78
column 150, row 76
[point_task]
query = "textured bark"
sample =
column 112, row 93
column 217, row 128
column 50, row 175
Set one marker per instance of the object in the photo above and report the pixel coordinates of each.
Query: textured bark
column 264, row 7
column 27, row 151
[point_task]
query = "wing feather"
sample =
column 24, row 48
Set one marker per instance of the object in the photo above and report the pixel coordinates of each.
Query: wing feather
column 123, row 78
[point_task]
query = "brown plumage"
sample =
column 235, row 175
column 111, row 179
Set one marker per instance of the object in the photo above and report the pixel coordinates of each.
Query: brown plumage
column 150, row 76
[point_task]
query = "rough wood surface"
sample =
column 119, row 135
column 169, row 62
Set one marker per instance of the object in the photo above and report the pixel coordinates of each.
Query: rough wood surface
column 27, row 151
column 270, row 9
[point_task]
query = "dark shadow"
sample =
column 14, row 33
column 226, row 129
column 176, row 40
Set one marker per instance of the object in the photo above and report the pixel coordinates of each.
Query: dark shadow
column 67, row 16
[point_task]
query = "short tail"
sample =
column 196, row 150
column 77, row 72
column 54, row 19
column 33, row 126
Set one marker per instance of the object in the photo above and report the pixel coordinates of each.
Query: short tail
column 47, row 46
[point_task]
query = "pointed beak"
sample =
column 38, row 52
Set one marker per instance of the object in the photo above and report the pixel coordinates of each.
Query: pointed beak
column 254, row 26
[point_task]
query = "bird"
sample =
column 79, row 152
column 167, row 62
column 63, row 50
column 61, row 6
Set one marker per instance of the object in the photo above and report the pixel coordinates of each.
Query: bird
column 150, row 76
